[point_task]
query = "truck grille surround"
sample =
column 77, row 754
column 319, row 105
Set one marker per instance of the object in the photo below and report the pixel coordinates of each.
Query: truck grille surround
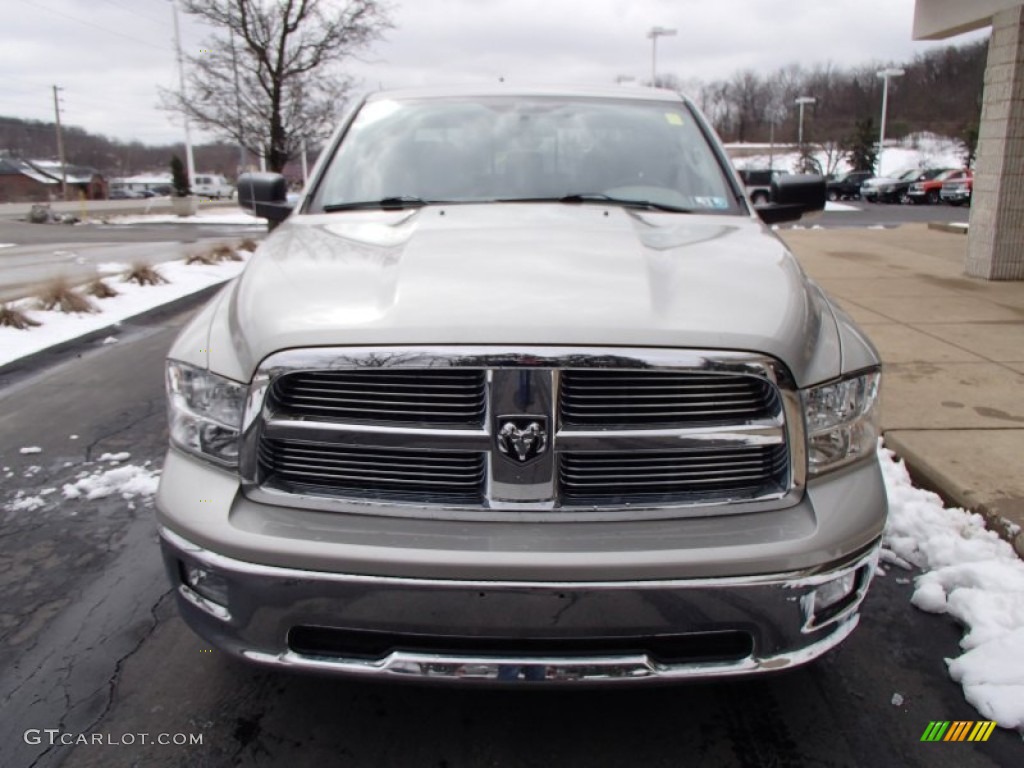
column 509, row 433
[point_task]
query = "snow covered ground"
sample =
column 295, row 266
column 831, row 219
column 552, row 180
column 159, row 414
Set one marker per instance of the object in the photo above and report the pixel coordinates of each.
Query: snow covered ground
column 58, row 327
column 917, row 151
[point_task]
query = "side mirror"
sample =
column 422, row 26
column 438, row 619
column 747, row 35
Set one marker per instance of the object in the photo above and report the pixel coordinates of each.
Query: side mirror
column 793, row 196
column 266, row 195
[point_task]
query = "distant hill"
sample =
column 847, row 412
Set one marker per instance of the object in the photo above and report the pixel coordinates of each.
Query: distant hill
column 35, row 139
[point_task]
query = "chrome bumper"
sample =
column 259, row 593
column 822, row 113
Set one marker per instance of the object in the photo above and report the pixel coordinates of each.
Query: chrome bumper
column 261, row 607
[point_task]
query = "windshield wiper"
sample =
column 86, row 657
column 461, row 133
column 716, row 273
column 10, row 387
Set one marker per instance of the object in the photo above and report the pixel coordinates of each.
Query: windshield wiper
column 387, row 203
column 599, row 197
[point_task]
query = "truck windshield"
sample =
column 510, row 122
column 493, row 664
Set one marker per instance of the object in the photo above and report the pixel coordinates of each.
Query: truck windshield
column 507, row 148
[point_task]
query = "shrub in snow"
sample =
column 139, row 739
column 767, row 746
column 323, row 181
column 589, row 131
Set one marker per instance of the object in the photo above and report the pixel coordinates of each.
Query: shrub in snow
column 100, row 289
column 224, row 252
column 59, row 295
column 143, row 274
column 201, row 257
column 12, row 317
column 247, row 244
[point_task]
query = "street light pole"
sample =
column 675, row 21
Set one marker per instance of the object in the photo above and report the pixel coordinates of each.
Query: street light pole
column 654, row 34
column 60, row 147
column 801, row 102
column 885, row 74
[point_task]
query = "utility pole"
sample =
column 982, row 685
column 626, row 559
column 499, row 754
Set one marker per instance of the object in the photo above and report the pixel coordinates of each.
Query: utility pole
column 305, row 165
column 238, row 97
column 190, row 163
column 60, row 147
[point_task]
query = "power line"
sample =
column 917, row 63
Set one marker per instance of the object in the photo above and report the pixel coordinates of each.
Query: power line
column 140, row 15
column 96, row 26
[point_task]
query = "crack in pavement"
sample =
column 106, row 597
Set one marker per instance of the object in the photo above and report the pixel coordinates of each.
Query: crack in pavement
column 113, row 615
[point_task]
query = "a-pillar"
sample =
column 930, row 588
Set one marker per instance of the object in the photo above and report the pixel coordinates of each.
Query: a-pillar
column 995, row 246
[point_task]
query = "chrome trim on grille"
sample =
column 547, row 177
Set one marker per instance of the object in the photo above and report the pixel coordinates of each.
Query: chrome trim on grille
column 524, row 381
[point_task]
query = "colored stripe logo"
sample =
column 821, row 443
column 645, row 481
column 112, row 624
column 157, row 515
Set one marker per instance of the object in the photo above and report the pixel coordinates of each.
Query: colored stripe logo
column 958, row 730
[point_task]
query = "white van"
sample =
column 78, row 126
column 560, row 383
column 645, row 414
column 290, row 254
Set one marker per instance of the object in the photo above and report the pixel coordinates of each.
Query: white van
column 211, row 185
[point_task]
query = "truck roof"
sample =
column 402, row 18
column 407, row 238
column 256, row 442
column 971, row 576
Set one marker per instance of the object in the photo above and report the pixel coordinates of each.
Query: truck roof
column 508, row 89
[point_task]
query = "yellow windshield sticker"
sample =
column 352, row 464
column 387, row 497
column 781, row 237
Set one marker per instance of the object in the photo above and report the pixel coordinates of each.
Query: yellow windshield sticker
column 673, row 118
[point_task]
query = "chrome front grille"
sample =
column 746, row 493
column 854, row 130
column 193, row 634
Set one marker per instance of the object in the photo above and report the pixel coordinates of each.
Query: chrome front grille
column 662, row 398
column 453, row 397
column 441, row 477
column 699, row 475
column 484, row 433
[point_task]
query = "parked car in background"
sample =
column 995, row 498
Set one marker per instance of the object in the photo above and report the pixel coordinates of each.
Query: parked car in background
column 758, row 183
column 894, row 190
column 958, row 191
column 125, row 194
column 212, row 185
column 928, row 190
column 847, row 186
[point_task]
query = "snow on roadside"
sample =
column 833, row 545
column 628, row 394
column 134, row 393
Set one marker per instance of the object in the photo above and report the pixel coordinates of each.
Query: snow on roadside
column 839, row 207
column 972, row 575
column 239, row 218
column 133, row 299
column 127, row 481
column 7, row 245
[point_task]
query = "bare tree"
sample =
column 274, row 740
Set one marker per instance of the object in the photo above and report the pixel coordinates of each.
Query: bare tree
column 268, row 77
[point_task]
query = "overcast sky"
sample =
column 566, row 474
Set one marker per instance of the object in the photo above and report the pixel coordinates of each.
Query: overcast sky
column 109, row 56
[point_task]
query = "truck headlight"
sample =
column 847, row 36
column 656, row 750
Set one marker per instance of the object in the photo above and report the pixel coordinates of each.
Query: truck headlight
column 842, row 421
column 204, row 412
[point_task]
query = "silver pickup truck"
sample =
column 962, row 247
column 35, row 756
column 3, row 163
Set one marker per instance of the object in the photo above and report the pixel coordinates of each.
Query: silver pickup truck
column 523, row 391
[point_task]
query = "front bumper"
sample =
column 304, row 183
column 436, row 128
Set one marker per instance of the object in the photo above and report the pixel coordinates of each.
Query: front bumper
column 514, row 632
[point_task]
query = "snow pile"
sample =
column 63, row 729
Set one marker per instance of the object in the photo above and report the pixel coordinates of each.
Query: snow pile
column 920, row 150
column 970, row 574
column 30, row 449
column 23, row 503
column 133, row 299
column 115, row 458
column 128, row 481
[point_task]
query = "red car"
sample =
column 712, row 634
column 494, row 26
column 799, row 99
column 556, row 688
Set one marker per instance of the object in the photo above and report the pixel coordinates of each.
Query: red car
column 958, row 191
column 929, row 190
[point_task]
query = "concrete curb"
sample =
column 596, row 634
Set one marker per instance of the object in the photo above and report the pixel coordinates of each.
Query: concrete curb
column 940, row 226
column 29, row 362
column 925, row 475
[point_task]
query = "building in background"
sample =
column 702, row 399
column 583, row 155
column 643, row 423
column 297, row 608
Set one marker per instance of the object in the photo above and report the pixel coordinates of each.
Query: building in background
column 995, row 240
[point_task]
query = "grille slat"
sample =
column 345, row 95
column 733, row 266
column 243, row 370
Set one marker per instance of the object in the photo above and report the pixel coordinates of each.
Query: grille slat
column 441, row 399
column 400, row 474
column 593, row 478
column 662, row 398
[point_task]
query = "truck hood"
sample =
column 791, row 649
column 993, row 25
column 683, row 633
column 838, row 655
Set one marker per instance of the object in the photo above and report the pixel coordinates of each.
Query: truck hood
column 527, row 274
